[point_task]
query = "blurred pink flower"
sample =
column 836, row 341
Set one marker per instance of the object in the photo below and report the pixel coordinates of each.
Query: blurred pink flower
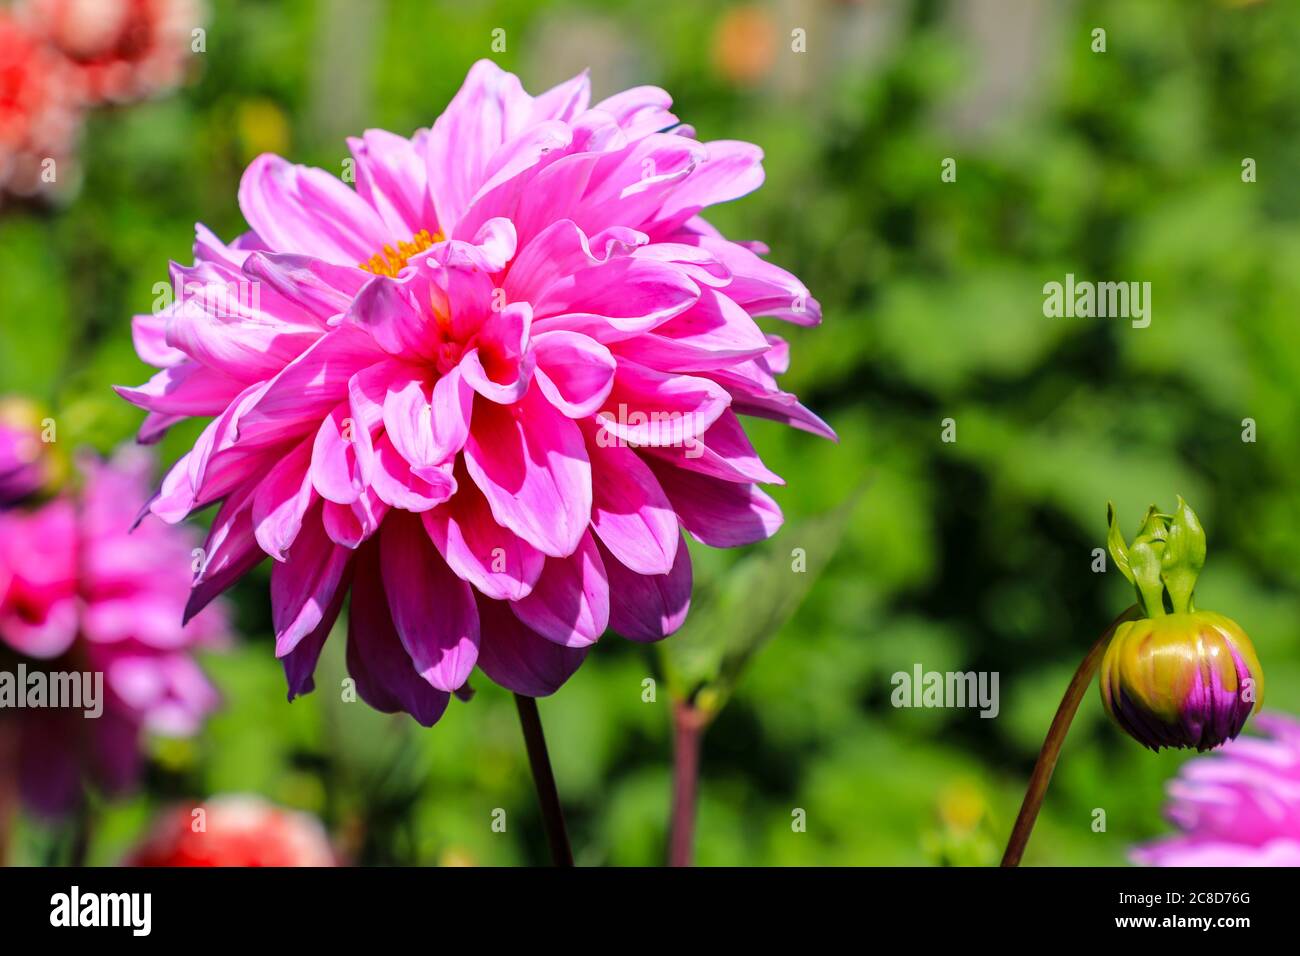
column 81, row 594
column 117, row 50
column 235, row 830
column 485, row 390
column 1239, row 807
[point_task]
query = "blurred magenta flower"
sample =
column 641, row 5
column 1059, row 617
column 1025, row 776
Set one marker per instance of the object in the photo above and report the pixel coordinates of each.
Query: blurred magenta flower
column 1239, row 807
column 485, row 389
column 235, row 830
column 82, row 595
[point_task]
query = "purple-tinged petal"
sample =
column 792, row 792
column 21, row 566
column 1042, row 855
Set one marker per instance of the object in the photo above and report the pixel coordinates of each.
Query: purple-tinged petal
column 569, row 604
column 648, row 607
column 433, row 610
column 520, row 659
column 721, row 514
column 385, row 674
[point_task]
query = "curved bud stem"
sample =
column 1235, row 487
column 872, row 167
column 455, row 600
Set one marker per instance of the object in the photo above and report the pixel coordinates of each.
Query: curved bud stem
column 1047, row 757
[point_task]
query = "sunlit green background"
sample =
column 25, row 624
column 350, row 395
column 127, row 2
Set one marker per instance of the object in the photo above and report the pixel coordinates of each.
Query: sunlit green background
column 975, row 554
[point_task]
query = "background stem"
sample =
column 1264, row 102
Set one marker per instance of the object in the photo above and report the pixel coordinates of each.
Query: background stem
column 1047, row 757
column 688, row 723
column 547, row 796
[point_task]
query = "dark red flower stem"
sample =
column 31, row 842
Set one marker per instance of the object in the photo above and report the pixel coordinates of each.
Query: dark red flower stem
column 547, row 796
column 1047, row 757
column 688, row 725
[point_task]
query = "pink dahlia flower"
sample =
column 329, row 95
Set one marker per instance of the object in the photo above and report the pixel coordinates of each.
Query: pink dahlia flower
column 235, row 830
column 81, row 595
column 485, row 389
column 1239, row 807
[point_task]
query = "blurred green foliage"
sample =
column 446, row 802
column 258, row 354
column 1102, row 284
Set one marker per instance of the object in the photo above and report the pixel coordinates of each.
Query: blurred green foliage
column 974, row 554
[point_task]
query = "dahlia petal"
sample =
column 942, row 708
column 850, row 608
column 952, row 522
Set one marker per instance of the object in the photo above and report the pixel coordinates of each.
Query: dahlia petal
column 630, row 513
column 408, row 420
column 155, row 426
column 320, row 289
column 391, row 178
column 629, row 187
column 533, row 470
column 395, row 313
column 149, row 336
column 569, row 604
column 721, row 514
column 433, row 610
column 759, row 287
column 557, row 188
column 574, row 372
column 714, row 332
column 520, row 659
column 495, row 560
column 731, row 170
column 778, row 406
column 334, row 469
column 309, row 387
column 367, row 392
column 386, row 677
column 303, row 586
column 564, row 101
column 300, row 663
column 648, row 607
column 640, row 111
column 451, row 408
column 510, row 172
column 397, row 485
column 490, row 107
column 500, row 368
column 299, row 209
column 649, row 407
column 724, row 451
column 351, row 524
column 697, row 262
column 615, row 299
column 281, row 500
column 560, row 250
column 230, row 551
column 188, row 389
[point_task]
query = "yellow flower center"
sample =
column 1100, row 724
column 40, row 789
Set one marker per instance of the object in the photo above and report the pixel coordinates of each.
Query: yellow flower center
column 389, row 261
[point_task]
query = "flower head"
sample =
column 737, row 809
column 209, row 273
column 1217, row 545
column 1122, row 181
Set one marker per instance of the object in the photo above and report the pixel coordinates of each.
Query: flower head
column 1177, row 677
column 484, row 390
column 1239, row 807
column 235, row 830
column 81, row 595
